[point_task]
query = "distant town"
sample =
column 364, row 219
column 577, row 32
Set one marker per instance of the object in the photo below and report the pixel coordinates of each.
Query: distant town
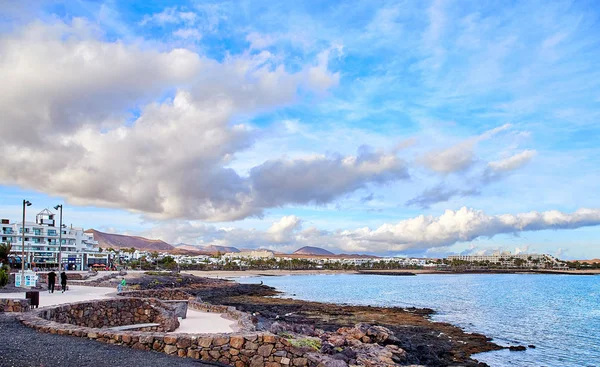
column 46, row 245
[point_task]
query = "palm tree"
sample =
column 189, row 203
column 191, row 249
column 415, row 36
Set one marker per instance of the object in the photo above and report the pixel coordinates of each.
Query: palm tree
column 4, row 252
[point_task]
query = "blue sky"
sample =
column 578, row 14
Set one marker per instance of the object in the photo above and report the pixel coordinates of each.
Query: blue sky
column 418, row 128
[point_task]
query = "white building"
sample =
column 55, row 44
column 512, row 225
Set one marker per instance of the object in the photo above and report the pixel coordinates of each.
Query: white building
column 79, row 249
column 254, row 255
column 508, row 259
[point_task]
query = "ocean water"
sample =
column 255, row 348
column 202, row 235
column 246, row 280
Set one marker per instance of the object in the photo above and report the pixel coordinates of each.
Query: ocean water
column 559, row 314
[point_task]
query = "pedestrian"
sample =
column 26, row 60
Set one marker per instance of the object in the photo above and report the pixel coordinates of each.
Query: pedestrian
column 63, row 281
column 51, row 281
column 121, row 285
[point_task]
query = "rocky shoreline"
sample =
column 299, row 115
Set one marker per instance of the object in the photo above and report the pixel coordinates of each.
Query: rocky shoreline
column 390, row 336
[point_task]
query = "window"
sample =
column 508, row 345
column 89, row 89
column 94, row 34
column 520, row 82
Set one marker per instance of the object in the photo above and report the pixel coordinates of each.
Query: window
column 52, row 232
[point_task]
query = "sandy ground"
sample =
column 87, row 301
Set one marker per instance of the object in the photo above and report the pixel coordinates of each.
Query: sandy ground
column 206, row 322
column 196, row 321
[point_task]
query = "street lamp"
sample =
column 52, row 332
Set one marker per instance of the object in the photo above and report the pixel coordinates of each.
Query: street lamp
column 25, row 203
column 59, row 237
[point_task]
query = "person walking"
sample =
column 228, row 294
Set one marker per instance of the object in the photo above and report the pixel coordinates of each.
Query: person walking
column 63, row 281
column 121, row 285
column 51, row 281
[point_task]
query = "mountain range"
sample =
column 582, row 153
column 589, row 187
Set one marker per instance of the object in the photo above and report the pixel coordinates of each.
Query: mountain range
column 309, row 250
column 120, row 241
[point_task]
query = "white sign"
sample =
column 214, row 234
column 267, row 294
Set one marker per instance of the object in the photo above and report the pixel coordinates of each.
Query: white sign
column 30, row 279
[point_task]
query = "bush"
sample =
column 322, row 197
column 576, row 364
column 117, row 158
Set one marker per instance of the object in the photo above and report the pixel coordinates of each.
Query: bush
column 3, row 277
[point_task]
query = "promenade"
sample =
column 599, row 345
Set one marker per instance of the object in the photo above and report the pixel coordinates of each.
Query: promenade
column 196, row 321
column 25, row 347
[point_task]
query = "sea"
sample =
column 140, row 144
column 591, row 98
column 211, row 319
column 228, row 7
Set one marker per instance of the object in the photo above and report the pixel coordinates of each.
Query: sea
column 559, row 314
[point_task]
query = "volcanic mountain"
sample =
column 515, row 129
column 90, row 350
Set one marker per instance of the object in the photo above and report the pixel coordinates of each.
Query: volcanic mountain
column 119, row 241
column 222, row 249
column 308, row 250
column 212, row 249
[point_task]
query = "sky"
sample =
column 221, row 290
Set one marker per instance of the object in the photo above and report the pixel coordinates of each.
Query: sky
column 406, row 128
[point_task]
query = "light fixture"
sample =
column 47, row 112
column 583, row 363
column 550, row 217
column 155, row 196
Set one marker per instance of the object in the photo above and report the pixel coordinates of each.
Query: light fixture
column 26, row 203
column 60, row 227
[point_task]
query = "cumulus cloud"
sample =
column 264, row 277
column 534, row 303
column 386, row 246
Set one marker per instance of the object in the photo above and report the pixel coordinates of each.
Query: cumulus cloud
column 321, row 179
column 282, row 230
column 67, row 128
column 429, row 233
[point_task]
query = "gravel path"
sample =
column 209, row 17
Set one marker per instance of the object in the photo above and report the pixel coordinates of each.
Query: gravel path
column 21, row 346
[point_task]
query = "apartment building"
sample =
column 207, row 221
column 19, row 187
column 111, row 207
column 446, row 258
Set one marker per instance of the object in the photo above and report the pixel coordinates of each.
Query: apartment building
column 79, row 249
column 509, row 259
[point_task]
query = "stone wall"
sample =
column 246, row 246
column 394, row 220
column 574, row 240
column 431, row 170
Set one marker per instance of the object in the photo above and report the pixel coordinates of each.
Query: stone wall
column 14, row 305
column 43, row 277
column 243, row 319
column 167, row 294
column 239, row 350
column 114, row 312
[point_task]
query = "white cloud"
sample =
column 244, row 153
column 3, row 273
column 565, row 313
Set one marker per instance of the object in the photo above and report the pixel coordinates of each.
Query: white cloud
column 459, row 157
column 511, row 163
column 282, row 230
column 429, row 233
column 64, row 130
column 188, row 33
column 260, row 41
column 170, row 16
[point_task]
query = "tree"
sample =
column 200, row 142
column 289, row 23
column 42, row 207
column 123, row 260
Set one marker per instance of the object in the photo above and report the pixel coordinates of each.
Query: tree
column 4, row 252
column 3, row 277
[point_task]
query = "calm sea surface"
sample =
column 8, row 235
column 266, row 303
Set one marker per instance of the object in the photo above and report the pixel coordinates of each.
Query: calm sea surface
column 559, row 314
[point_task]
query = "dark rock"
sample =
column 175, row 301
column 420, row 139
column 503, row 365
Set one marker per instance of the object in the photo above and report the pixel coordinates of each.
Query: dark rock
column 517, row 348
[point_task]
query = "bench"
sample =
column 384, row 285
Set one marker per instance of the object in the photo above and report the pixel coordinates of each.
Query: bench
column 133, row 327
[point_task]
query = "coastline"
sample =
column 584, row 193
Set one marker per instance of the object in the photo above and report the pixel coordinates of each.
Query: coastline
column 233, row 274
column 426, row 342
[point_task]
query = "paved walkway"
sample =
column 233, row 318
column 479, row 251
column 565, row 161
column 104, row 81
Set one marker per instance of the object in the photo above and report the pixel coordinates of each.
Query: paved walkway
column 196, row 321
column 21, row 346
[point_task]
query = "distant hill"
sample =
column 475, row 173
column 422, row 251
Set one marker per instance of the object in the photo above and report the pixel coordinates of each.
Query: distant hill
column 118, row 241
column 589, row 261
column 185, row 246
column 308, row 250
column 214, row 249
column 262, row 249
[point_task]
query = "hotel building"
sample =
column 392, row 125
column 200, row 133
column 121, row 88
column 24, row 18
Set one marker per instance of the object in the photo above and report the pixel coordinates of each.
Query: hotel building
column 79, row 249
column 508, row 259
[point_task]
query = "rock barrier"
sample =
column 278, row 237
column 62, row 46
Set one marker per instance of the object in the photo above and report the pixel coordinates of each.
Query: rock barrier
column 14, row 305
column 114, row 312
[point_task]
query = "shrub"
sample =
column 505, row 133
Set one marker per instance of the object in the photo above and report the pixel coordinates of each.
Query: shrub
column 312, row 343
column 3, row 277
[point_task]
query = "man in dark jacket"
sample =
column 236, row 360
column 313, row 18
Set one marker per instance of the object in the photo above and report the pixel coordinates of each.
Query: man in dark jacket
column 63, row 281
column 51, row 281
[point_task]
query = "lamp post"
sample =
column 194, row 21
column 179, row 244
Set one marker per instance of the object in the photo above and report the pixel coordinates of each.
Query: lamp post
column 59, row 237
column 25, row 203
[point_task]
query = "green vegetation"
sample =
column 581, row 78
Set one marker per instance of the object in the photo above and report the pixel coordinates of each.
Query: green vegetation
column 583, row 266
column 312, row 343
column 4, row 270
column 4, row 251
column 159, row 273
